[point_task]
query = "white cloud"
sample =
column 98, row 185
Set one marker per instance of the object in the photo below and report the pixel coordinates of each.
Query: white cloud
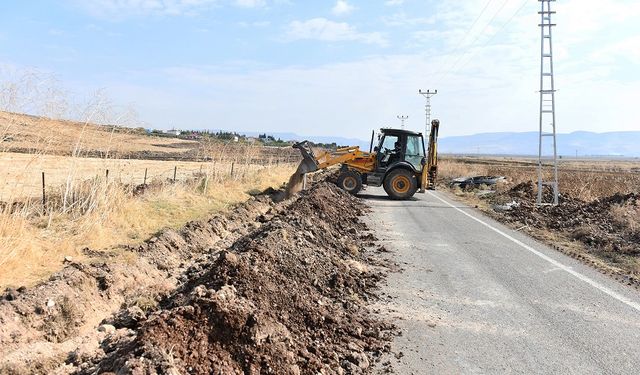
column 118, row 9
column 401, row 19
column 254, row 24
column 342, row 8
column 56, row 32
column 487, row 84
column 250, row 3
column 331, row 31
column 394, row 2
column 594, row 15
column 628, row 48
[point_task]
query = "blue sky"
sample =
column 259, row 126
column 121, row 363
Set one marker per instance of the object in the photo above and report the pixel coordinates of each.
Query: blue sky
column 329, row 67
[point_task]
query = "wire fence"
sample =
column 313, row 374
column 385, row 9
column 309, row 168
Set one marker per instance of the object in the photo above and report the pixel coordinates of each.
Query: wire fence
column 53, row 190
column 21, row 174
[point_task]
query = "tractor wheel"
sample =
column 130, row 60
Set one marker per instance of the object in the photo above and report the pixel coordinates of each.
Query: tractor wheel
column 400, row 184
column 350, row 181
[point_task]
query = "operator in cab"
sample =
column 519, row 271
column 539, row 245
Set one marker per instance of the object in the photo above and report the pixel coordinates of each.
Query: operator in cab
column 396, row 153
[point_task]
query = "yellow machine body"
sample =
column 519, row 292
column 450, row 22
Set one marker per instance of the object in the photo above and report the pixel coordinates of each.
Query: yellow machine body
column 400, row 179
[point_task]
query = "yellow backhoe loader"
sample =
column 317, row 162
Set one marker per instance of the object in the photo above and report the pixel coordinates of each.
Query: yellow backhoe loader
column 399, row 163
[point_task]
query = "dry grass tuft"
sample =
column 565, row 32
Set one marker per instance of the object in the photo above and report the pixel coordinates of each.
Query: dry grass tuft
column 627, row 216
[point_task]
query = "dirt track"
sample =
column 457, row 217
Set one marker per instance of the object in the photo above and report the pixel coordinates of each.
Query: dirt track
column 269, row 288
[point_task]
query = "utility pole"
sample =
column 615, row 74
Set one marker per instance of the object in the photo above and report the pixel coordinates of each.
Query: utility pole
column 427, row 109
column 402, row 118
column 547, row 124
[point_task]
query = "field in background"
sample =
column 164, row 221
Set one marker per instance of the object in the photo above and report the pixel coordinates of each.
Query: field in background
column 585, row 179
column 21, row 174
column 34, row 134
column 20, row 133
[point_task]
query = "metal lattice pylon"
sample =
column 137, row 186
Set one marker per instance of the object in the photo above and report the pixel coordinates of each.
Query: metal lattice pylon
column 547, row 164
column 427, row 109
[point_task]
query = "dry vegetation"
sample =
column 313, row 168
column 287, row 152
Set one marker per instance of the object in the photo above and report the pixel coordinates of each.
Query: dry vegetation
column 101, row 213
column 22, row 173
column 585, row 180
column 84, row 206
column 36, row 134
column 598, row 215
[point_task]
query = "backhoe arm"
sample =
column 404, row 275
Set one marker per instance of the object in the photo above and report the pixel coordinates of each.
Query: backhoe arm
column 430, row 170
column 326, row 159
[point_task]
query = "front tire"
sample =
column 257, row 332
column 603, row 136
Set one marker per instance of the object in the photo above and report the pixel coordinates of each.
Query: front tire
column 350, row 181
column 400, row 184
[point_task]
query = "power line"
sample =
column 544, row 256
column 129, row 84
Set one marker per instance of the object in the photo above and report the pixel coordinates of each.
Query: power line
column 464, row 37
column 524, row 3
column 474, row 41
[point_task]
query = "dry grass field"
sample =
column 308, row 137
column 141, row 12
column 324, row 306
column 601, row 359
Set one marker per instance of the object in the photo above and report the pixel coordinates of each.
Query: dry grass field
column 21, row 174
column 586, row 179
column 101, row 213
column 86, row 207
column 34, row 134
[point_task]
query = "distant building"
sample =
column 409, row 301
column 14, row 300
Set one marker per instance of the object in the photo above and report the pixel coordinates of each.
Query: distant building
column 173, row 131
column 192, row 135
column 235, row 138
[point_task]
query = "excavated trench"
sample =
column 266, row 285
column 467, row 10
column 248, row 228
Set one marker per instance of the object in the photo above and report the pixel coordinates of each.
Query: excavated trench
column 267, row 288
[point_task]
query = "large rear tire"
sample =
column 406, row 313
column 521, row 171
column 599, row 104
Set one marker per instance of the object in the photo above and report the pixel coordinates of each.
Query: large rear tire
column 400, row 184
column 350, row 181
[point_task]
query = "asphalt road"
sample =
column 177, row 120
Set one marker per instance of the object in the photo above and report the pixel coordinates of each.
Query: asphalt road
column 475, row 297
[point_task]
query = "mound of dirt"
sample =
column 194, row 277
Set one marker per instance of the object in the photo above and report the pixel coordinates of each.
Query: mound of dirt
column 592, row 223
column 40, row 325
column 287, row 298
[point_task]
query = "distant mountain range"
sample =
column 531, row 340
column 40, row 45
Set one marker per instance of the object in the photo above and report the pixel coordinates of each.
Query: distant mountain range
column 511, row 143
column 580, row 143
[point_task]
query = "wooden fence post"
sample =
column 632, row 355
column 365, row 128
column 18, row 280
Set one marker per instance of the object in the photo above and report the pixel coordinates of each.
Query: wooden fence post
column 175, row 170
column 106, row 175
column 233, row 163
column 145, row 177
column 44, row 196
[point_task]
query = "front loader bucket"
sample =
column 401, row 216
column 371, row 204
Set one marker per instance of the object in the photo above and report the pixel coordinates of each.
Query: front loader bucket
column 309, row 162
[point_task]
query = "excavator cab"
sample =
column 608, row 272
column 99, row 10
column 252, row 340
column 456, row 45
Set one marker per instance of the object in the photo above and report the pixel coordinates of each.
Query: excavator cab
column 399, row 163
column 400, row 158
column 400, row 146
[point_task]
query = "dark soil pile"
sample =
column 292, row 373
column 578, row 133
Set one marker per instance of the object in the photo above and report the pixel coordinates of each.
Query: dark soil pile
column 591, row 223
column 287, row 298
